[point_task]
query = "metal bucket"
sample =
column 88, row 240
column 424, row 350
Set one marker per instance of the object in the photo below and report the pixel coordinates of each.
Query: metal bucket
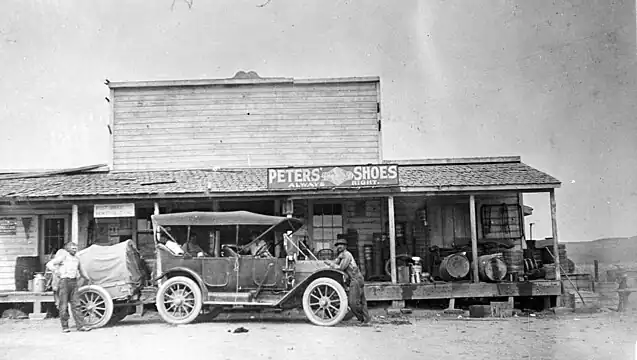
column 402, row 274
column 39, row 283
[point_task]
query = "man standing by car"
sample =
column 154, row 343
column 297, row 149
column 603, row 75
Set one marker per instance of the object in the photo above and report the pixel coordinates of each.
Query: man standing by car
column 66, row 265
column 346, row 263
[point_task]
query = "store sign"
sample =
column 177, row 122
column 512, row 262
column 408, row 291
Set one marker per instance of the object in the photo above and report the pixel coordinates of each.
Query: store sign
column 113, row 210
column 333, row 176
column 8, row 226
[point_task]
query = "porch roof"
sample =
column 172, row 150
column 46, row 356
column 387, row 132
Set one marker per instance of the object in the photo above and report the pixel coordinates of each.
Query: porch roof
column 430, row 177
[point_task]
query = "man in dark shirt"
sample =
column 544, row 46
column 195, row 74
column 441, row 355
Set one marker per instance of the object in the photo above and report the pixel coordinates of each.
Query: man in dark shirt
column 191, row 247
column 346, row 263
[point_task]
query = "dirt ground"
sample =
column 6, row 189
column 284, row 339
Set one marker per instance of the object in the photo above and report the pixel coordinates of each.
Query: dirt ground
column 272, row 336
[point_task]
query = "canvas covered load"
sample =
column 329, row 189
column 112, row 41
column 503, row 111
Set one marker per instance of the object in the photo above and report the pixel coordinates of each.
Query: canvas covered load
column 113, row 265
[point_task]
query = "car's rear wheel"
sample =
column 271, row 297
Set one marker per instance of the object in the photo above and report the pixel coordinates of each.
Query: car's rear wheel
column 179, row 300
column 325, row 302
column 96, row 305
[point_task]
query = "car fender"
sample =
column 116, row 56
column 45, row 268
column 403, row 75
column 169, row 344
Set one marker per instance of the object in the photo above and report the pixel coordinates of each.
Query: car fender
column 188, row 273
column 335, row 274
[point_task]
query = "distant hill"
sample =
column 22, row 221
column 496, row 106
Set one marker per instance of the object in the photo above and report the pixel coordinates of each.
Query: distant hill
column 607, row 251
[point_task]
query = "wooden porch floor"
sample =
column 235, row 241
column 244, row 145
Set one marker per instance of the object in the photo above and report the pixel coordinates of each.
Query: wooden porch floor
column 454, row 290
column 383, row 291
column 25, row 296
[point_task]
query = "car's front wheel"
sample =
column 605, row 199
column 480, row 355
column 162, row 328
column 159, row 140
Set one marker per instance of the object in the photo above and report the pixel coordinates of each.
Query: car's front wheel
column 179, row 300
column 325, row 302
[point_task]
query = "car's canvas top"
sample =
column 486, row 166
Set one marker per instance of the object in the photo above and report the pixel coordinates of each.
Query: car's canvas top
column 117, row 264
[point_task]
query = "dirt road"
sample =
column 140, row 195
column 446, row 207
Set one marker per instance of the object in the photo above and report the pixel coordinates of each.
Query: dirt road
column 572, row 337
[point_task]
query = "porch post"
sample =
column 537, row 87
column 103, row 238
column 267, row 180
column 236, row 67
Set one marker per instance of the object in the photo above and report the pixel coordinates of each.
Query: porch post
column 474, row 238
column 75, row 224
column 556, row 250
column 392, row 239
column 277, row 235
column 217, row 249
column 158, row 270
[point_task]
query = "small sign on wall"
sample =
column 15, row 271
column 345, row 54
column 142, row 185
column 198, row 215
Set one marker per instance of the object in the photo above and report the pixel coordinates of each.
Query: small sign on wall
column 114, row 210
column 8, row 226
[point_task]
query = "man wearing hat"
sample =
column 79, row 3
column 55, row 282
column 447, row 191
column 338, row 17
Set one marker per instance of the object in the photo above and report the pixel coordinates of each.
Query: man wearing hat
column 346, row 263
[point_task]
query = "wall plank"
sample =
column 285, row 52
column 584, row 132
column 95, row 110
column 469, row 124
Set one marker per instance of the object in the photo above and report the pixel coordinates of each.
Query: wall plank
column 13, row 246
column 245, row 125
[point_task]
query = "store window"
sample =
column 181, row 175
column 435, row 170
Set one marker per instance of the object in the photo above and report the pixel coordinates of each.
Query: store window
column 54, row 235
column 327, row 223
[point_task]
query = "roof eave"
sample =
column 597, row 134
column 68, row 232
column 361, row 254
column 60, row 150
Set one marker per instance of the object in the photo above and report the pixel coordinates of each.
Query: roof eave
column 481, row 188
column 378, row 191
column 235, row 81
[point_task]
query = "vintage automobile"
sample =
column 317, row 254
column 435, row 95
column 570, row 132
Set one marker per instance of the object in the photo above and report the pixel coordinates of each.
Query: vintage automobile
column 234, row 279
column 117, row 276
column 184, row 286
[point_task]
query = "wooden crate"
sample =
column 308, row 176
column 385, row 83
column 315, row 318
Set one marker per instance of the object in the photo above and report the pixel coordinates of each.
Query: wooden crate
column 501, row 309
column 577, row 282
column 608, row 296
column 591, row 299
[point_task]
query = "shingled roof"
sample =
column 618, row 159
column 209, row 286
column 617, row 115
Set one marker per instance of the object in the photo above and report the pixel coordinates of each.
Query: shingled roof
column 252, row 181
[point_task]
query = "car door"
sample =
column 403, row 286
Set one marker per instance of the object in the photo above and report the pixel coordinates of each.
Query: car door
column 219, row 273
column 255, row 271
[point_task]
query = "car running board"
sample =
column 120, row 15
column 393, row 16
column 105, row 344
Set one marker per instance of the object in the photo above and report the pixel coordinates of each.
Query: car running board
column 236, row 298
column 240, row 304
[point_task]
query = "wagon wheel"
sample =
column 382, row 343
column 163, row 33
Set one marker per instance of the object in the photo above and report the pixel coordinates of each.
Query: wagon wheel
column 325, row 302
column 96, row 305
column 179, row 300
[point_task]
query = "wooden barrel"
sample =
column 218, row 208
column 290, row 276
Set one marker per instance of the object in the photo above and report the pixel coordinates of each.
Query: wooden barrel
column 491, row 268
column 550, row 271
column 25, row 268
column 368, row 252
column 514, row 260
column 454, row 267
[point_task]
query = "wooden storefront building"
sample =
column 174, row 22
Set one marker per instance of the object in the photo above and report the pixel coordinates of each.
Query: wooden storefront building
column 307, row 148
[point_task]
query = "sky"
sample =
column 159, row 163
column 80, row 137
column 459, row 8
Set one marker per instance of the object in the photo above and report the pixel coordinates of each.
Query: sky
column 551, row 81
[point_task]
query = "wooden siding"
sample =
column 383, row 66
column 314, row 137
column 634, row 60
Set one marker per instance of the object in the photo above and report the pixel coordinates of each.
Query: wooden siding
column 245, row 125
column 405, row 209
column 13, row 246
column 448, row 219
column 366, row 222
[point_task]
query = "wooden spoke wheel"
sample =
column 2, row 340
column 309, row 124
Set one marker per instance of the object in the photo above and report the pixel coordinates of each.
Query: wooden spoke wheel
column 179, row 300
column 325, row 302
column 96, row 305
